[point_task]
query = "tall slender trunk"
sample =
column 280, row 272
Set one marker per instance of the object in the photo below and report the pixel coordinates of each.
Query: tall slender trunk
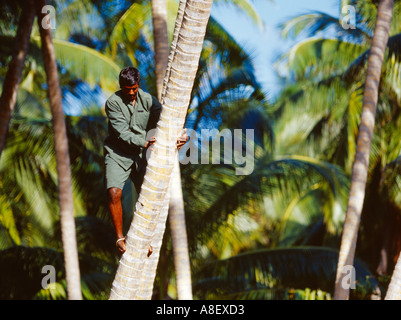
column 159, row 16
column 179, row 236
column 13, row 76
column 361, row 162
column 394, row 288
column 155, row 189
column 62, row 159
column 176, row 211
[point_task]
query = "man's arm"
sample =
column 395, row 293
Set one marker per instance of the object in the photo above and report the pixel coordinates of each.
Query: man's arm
column 155, row 111
column 121, row 127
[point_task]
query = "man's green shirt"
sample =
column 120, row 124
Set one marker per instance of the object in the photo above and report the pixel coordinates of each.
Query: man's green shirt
column 129, row 125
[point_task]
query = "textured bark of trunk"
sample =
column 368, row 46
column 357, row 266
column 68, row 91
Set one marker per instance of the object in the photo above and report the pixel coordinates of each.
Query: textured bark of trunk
column 63, row 161
column 179, row 237
column 16, row 66
column 159, row 14
column 135, row 266
column 394, row 288
column 361, row 162
column 176, row 205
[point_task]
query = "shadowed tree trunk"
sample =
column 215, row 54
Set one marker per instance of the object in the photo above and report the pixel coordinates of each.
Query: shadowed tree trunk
column 133, row 280
column 160, row 36
column 13, row 77
column 62, row 159
column 394, row 288
column 179, row 236
column 364, row 140
column 159, row 16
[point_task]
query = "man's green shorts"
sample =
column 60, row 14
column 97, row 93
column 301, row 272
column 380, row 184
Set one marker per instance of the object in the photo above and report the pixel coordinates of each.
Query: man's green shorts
column 116, row 176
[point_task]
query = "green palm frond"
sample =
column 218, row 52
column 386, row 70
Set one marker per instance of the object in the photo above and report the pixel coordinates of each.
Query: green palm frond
column 10, row 234
column 29, row 176
column 24, row 274
column 95, row 236
column 95, row 286
column 29, row 104
column 311, row 24
column 319, row 58
column 56, row 292
column 358, row 66
column 127, row 30
column 391, row 183
column 322, row 103
column 77, row 17
column 33, row 75
column 216, row 93
column 224, row 65
column 329, row 127
column 87, row 64
column 21, row 276
column 221, row 192
column 277, row 271
column 9, row 16
column 248, row 113
column 367, row 12
column 230, row 53
column 28, row 169
column 392, row 68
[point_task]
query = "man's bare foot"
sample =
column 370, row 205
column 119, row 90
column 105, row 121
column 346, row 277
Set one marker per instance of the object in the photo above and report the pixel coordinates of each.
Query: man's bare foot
column 120, row 243
column 150, row 251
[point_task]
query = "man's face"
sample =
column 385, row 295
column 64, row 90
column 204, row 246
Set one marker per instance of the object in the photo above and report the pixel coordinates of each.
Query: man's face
column 130, row 91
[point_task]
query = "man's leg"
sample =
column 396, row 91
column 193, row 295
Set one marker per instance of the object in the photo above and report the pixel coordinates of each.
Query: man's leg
column 137, row 179
column 116, row 177
column 116, row 210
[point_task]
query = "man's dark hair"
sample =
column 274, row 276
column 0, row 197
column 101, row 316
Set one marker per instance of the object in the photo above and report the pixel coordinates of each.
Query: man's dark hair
column 129, row 76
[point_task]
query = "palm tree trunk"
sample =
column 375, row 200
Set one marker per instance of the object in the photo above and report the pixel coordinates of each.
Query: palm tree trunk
column 63, row 161
column 176, row 206
column 159, row 15
column 179, row 236
column 361, row 162
column 155, row 188
column 147, row 280
column 13, row 77
column 394, row 288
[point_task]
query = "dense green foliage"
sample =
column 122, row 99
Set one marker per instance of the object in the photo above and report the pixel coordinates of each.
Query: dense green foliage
column 275, row 231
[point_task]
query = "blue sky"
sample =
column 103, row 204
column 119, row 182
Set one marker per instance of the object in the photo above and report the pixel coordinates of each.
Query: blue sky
column 266, row 44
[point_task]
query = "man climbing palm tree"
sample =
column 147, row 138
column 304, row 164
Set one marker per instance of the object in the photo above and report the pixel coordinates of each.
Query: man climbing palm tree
column 132, row 113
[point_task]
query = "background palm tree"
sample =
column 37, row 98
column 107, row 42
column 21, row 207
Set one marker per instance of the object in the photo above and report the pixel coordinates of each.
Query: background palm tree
column 159, row 18
column 393, row 292
column 63, row 161
column 13, row 77
column 361, row 162
column 331, row 86
column 307, row 273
